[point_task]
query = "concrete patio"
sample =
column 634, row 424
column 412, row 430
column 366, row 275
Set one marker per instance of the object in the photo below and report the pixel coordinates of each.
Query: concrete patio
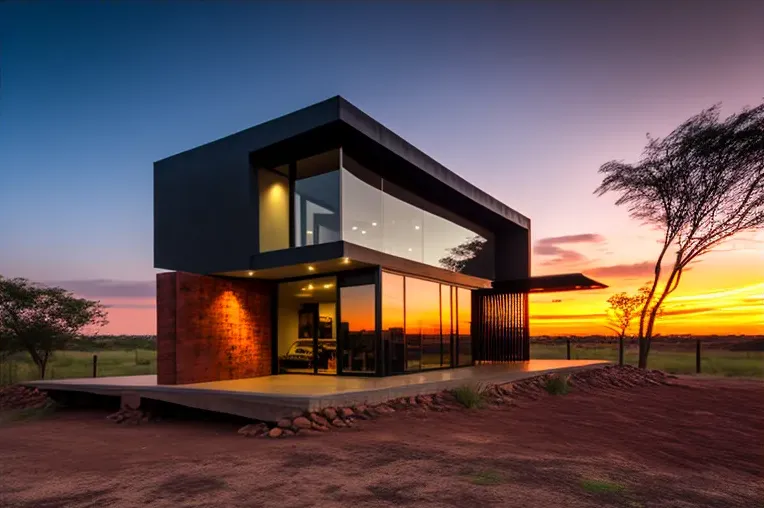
column 271, row 397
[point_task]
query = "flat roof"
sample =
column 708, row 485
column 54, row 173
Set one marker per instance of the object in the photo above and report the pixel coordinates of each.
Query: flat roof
column 548, row 284
column 337, row 109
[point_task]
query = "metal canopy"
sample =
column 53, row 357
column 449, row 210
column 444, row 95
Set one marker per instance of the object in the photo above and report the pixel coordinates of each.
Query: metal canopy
column 548, row 284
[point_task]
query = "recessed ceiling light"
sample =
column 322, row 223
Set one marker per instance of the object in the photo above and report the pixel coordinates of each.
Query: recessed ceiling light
column 250, row 273
column 363, row 232
column 310, row 286
column 373, row 223
column 312, row 268
column 416, row 227
column 410, row 249
column 327, row 286
column 346, row 261
column 309, row 232
column 354, row 228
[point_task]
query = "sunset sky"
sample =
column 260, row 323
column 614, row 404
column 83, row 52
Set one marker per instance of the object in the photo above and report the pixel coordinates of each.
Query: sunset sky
column 525, row 100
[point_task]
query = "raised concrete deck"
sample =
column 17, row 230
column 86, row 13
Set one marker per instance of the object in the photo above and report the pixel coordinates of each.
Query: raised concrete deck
column 272, row 397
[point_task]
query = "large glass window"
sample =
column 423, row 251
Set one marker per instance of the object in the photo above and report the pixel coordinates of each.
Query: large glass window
column 317, row 199
column 358, row 328
column 381, row 216
column 307, row 326
column 392, row 322
column 273, row 186
column 425, row 325
column 362, row 222
column 464, row 321
column 422, row 323
column 445, row 323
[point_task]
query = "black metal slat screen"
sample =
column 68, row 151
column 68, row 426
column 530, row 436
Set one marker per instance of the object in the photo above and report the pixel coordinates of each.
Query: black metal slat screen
column 500, row 326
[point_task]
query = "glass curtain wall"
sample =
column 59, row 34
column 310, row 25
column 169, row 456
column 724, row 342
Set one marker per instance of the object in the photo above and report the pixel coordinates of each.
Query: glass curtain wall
column 358, row 329
column 421, row 326
column 464, row 321
column 375, row 215
column 299, row 202
column 317, row 199
column 307, row 326
column 393, row 339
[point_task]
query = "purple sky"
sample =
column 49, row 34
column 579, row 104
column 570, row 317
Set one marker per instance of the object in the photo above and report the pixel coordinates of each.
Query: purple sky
column 526, row 100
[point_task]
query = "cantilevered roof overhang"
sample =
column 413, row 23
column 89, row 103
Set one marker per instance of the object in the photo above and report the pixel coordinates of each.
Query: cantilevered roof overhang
column 548, row 284
column 336, row 119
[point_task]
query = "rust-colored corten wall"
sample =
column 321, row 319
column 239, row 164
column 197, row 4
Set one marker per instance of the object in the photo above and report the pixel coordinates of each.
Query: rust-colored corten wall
column 212, row 328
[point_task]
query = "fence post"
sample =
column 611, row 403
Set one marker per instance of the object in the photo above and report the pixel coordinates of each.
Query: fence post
column 95, row 365
column 697, row 356
column 568, row 344
column 620, row 350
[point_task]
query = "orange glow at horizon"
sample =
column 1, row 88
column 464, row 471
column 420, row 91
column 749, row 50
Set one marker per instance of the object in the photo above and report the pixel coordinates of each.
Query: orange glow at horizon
column 722, row 295
column 710, row 301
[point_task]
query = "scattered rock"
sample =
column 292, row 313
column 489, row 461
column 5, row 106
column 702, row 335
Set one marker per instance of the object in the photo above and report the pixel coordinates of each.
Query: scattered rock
column 287, row 433
column 339, row 423
column 330, row 413
column 359, row 410
column 21, row 397
column 275, row 432
column 129, row 416
column 301, row 422
column 317, row 418
column 284, row 423
column 322, row 428
column 254, row 430
column 346, row 412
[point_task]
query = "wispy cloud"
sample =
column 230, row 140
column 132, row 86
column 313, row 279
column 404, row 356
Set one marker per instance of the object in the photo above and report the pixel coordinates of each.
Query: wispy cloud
column 565, row 256
column 108, row 288
column 625, row 271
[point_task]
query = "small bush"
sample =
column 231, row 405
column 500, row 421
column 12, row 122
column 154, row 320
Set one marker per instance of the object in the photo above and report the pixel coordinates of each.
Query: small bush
column 470, row 396
column 557, row 385
column 601, row 486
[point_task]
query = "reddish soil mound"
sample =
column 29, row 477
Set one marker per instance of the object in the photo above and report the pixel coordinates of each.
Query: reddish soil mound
column 20, row 397
column 609, row 377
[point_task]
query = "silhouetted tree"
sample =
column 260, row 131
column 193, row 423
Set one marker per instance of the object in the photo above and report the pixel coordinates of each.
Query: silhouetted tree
column 700, row 185
column 40, row 319
column 623, row 309
column 460, row 256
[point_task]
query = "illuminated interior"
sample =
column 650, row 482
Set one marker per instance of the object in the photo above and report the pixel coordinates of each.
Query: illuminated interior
column 307, row 326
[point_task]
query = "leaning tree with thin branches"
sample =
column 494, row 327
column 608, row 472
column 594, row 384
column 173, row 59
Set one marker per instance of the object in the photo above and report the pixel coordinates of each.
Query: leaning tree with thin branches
column 700, row 186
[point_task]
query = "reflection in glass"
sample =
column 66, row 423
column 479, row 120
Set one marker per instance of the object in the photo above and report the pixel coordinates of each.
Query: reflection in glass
column 403, row 233
column 445, row 323
column 442, row 239
column 422, row 324
column 358, row 329
column 361, row 206
column 392, row 321
column 373, row 217
column 464, row 320
column 317, row 199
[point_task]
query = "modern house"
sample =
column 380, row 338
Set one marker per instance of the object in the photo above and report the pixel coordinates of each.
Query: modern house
column 321, row 242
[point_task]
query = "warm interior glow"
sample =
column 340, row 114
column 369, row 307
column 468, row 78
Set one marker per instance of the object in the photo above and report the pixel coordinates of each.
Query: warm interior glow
column 274, row 211
column 311, row 268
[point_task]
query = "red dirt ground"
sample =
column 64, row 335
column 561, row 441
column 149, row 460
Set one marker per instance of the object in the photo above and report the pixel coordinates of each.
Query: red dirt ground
column 698, row 442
